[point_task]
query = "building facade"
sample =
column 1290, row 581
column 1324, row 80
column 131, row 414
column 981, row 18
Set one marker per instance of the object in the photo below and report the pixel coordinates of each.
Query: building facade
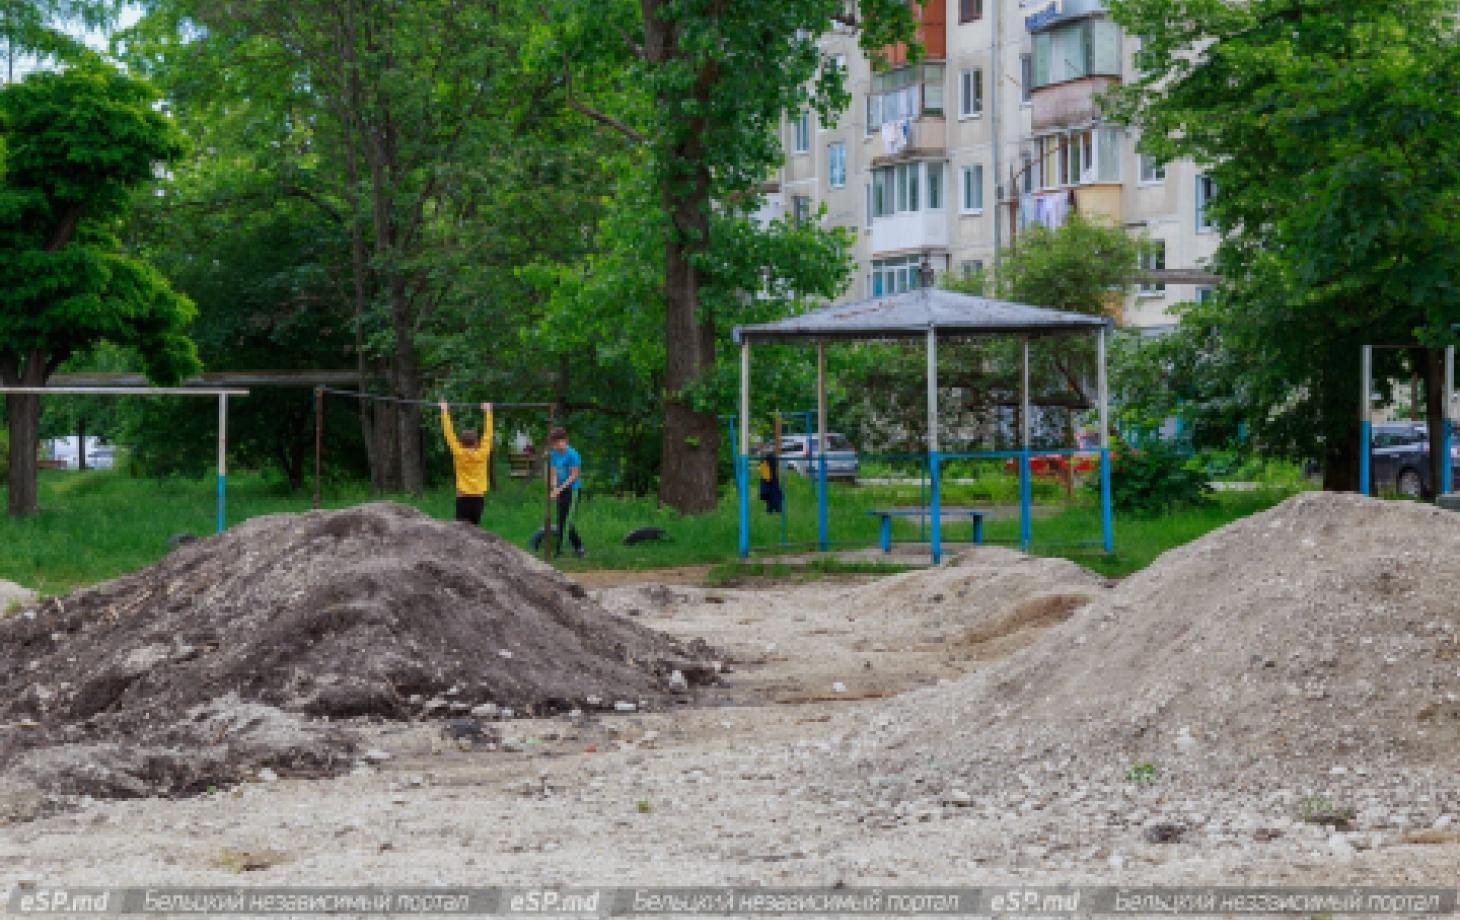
column 995, row 130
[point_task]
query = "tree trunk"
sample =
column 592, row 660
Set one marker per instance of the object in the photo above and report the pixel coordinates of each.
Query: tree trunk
column 689, row 458
column 1341, row 465
column 1433, row 369
column 24, row 414
column 81, row 443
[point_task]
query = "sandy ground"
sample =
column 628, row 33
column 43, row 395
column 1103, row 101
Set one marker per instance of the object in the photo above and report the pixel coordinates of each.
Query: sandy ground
column 740, row 790
column 13, row 595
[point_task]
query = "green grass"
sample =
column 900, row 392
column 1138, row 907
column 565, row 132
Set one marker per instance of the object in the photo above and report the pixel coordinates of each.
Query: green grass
column 100, row 524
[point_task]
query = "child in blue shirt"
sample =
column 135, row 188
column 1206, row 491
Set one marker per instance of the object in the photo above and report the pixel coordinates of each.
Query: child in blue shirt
column 566, row 479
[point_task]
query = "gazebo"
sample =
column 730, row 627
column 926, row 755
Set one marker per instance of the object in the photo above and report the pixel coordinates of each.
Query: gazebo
column 929, row 313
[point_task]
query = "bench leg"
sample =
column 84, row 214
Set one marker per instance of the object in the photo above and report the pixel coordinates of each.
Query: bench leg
column 885, row 533
column 978, row 529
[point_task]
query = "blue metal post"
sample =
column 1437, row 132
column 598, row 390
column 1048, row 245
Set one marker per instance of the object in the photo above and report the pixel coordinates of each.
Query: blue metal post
column 222, row 461
column 1365, row 428
column 1026, row 500
column 935, row 505
column 1026, row 491
column 742, row 488
column 1447, row 470
column 1107, row 524
column 742, row 455
column 823, row 536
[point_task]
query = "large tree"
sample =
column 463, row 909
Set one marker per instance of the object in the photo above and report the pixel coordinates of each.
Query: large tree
column 1332, row 133
column 77, row 145
column 697, row 89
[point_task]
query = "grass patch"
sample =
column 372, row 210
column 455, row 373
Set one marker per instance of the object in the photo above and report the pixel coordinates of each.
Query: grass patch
column 102, row 523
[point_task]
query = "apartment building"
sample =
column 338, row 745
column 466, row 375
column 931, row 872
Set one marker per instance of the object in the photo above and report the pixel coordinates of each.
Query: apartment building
column 995, row 130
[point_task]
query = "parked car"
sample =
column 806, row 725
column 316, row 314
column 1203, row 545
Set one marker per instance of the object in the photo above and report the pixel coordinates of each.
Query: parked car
column 798, row 455
column 1399, row 458
column 1055, row 466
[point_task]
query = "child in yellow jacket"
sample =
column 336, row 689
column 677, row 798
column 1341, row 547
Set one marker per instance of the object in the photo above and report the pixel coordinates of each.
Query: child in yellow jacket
column 470, row 455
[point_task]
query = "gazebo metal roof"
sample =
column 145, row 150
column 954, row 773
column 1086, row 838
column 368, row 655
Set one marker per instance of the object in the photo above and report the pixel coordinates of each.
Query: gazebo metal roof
column 911, row 314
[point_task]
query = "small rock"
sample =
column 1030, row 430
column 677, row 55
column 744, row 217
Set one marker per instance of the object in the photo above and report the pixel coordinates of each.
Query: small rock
column 507, row 712
column 375, row 755
column 624, row 706
column 505, row 653
column 838, row 687
column 268, row 776
column 485, row 711
column 593, row 700
column 677, row 682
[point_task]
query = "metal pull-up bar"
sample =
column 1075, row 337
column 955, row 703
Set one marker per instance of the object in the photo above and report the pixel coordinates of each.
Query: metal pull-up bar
column 373, row 397
column 221, row 394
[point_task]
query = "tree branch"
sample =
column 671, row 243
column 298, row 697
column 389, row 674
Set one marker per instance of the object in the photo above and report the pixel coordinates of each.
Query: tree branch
column 600, row 117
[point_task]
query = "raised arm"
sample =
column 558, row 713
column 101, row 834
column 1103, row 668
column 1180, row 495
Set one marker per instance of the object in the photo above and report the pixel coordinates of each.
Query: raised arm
column 487, row 429
column 446, row 428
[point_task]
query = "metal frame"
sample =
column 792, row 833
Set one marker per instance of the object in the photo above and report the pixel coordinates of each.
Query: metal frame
column 221, row 394
column 1366, row 420
column 935, row 457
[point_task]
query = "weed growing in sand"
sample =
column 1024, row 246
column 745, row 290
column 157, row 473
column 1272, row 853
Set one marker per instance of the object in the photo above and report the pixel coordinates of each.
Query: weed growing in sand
column 1317, row 809
column 643, row 807
column 733, row 572
column 1141, row 774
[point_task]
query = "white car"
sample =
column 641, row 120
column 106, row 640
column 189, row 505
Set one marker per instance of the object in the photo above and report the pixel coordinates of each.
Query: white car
column 798, row 455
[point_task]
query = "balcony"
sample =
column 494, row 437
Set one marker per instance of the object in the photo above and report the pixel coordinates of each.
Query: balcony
column 908, row 231
column 909, row 139
column 1072, row 103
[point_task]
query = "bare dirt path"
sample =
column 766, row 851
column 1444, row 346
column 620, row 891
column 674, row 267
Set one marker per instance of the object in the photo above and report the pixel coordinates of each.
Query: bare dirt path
column 830, row 693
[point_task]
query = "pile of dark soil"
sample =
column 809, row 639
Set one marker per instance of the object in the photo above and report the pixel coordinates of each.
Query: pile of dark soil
column 246, row 650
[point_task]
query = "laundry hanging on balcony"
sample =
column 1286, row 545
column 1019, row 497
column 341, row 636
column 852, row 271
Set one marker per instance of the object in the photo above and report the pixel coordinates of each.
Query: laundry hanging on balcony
column 1052, row 209
column 896, row 134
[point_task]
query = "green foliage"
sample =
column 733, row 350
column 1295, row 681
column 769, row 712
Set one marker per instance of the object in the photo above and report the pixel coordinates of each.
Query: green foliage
column 1084, row 266
column 1334, row 146
column 1141, row 774
column 65, row 284
column 1154, row 478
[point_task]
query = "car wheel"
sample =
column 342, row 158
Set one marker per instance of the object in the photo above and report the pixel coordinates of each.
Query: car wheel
column 1410, row 484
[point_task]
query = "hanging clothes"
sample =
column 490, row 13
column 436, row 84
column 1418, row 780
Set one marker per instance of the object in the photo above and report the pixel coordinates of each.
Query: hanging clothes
column 770, row 484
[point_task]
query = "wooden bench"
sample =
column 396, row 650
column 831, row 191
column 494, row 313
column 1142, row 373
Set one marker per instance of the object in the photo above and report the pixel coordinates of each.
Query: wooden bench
column 886, row 516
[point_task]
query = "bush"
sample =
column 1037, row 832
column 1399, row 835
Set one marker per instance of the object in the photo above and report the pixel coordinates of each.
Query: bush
column 1155, row 478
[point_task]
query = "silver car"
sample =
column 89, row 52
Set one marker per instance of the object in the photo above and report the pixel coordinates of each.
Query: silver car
column 798, row 455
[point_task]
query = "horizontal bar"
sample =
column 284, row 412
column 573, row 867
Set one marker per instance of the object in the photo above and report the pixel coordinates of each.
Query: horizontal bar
column 356, row 394
column 122, row 391
column 212, row 378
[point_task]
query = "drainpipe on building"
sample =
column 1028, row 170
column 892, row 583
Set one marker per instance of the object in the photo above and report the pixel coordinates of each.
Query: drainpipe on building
column 996, row 90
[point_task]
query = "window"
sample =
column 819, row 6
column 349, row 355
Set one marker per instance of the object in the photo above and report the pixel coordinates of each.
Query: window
column 898, row 188
column 1026, row 77
column 969, row 10
column 1079, row 49
column 970, row 93
column 1151, row 169
column 1154, row 259
column 836, row 164
column 972, row 189
column 801, row 131
column 935, row 186
column 893, row 276
column 1205, row 191
column 907, row 92
column 800, row 209
column 1203, row 294
column 970, row 267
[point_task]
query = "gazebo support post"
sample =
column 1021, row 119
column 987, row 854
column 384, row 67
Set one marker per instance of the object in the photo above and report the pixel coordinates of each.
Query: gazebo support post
column 823, row 539
column 1366, row 374
column 1107, row 529
column 742, row 450
column 1026, row 490
column 935, row 462
column 1447, row 472
column 222, row 461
